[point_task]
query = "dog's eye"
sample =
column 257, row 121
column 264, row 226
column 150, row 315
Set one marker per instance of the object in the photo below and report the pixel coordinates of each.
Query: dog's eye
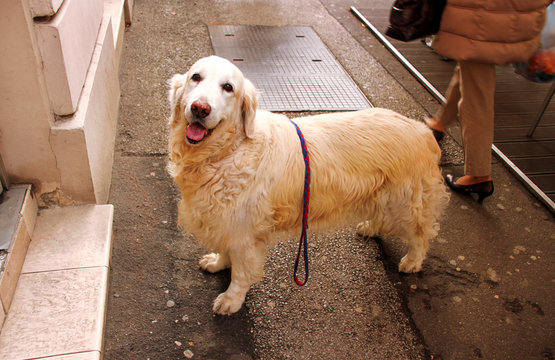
column 196, row 77
column 227, row 87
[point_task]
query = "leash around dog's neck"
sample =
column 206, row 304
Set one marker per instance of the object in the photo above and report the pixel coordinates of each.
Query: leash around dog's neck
column 303, row 241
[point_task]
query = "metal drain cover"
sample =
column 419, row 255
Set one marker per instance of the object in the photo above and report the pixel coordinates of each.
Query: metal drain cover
column 290, row 66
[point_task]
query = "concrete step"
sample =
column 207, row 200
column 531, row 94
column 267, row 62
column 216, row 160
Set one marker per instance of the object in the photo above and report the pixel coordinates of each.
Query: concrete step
column 18, row 214
column 59, row 305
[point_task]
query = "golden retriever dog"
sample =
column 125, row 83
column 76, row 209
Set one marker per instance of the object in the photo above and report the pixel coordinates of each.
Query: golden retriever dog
column 241, row 173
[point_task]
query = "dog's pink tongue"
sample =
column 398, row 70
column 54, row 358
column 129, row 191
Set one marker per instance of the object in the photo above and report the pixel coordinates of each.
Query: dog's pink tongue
column 196, row 132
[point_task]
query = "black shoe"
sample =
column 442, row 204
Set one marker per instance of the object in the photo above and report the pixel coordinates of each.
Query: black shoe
column 438, row 135
column 483, row 189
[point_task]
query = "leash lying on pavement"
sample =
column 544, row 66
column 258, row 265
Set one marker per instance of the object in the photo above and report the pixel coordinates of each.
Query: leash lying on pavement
column 303, row 241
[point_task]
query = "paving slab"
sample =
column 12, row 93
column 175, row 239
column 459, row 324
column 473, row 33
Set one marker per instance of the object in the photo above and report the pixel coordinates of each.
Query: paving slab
column 59, row 305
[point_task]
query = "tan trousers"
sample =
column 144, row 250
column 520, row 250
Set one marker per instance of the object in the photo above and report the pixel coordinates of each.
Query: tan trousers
column 471, row 95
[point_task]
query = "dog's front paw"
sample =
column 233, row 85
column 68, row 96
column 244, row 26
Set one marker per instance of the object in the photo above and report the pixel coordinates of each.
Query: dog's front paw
column 226, row 304
column 408, row 265
column 212, row 263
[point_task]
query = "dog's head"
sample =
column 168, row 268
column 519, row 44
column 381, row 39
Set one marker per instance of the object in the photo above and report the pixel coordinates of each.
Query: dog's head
column 212, row 95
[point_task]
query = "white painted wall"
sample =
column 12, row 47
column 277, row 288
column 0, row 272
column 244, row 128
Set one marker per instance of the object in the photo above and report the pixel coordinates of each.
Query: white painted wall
column 44, row 7
column 67, row 159
column 25, row 113
column 66, row 43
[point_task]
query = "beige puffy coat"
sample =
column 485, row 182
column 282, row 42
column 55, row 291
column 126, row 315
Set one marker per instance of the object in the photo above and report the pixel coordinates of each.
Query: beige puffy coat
column 491, row 31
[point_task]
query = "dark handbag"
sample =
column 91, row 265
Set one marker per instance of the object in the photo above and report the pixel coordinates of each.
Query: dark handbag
column 414, row 19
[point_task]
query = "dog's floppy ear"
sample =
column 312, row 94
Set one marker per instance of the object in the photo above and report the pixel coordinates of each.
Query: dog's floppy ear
column 250, row 104
column 176, row 84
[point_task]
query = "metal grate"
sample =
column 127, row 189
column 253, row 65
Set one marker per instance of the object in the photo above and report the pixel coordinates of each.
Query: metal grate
column 290, row 66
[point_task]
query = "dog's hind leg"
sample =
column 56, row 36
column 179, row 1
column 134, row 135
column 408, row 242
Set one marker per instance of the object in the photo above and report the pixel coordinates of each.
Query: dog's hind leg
column 214, row 262
column 429, row 197
column 247, row 267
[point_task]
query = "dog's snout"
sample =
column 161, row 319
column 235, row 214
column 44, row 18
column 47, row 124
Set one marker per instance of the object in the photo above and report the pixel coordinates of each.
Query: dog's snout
column 200, row 109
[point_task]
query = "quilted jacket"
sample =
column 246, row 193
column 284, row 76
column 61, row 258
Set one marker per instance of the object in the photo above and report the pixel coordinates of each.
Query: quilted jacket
column 491, row 31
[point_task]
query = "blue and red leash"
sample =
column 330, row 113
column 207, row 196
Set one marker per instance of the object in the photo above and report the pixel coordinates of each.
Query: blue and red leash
column 303, row 241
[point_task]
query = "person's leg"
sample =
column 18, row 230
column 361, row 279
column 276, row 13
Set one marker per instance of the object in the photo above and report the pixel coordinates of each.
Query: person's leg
column 447, row 114
column 476, row 116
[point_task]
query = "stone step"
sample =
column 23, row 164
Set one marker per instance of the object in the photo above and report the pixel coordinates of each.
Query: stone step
column 18, row 214
column 59, row 305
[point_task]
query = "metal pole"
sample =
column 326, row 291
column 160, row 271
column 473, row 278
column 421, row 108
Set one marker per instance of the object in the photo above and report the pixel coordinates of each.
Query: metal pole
column 525, row 179
column 542, row 110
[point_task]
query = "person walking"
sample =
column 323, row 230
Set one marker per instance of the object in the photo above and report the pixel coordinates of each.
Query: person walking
column 480, row 34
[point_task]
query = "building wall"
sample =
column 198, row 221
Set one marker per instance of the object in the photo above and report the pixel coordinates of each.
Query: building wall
column 62, row 143
column 25, row 114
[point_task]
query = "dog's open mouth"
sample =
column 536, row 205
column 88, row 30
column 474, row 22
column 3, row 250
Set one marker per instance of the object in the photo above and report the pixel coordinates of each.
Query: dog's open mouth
column 197, row 133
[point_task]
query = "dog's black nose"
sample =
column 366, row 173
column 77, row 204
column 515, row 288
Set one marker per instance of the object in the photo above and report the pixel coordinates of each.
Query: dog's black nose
column 200, row 109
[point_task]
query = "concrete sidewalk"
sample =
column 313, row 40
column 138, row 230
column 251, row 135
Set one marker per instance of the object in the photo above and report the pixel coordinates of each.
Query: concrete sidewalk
column 486, row 290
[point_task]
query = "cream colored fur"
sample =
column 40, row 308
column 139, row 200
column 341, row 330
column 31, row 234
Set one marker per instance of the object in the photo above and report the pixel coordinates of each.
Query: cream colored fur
column 243, row 183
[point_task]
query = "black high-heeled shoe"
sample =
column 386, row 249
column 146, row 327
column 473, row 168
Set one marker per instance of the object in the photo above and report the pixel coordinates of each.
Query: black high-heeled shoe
column 483, row 189
column 438, row 135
